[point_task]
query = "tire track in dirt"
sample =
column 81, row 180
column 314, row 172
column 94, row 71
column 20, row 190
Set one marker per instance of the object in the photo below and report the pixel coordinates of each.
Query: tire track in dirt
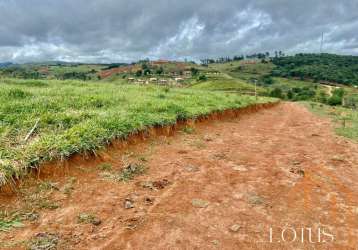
column 229, row 182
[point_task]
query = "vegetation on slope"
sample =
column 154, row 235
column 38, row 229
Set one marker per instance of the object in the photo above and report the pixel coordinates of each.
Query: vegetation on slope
column 76, row 116
column 319, row 67
column 223, row 82
column 346, row 120
column 287, row 88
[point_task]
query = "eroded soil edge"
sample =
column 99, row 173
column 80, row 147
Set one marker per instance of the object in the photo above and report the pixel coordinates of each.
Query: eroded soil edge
column 222, row 185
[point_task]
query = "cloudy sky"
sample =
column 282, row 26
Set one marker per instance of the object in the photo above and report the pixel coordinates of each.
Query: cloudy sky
column 127, row 30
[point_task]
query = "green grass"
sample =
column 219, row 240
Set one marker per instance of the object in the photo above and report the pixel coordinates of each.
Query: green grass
column 9, row 221
column 78, row 68
column 346, row 120
column 7, row 225
column 225, row 82
column 293, row 83
column 77, row 117
column 244, row 71
column 225, row 85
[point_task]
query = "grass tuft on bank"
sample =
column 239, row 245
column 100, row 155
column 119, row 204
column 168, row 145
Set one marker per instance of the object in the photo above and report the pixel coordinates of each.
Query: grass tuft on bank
column 76, row 117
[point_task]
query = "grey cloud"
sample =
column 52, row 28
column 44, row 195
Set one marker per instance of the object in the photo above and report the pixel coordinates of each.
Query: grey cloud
column 121, row 30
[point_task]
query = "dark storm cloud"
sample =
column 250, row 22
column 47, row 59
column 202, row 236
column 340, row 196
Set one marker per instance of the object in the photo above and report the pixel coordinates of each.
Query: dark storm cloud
column 118, row 30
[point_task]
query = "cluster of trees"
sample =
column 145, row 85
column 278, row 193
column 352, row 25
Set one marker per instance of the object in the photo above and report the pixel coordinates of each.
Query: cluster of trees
column 34, row 74
column 294, row 94
column 227, row 59
column 114, row 65
column 20, row 73
column 313, row 94
column 75, row 76
column 147, row 70
column 306, row 93
column 262, row 56
column 318, row 67
column 259, row 56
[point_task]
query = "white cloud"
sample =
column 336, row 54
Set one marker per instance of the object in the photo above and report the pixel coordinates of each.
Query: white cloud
column 248, row 20
column 182, row 42
column 121, row 30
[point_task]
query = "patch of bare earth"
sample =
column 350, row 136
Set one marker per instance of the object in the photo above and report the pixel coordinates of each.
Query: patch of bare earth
column 226, row 185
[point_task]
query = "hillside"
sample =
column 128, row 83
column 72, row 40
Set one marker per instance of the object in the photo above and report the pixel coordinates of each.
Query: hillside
column 304, row 77
column 319, row 67
column 5, row 64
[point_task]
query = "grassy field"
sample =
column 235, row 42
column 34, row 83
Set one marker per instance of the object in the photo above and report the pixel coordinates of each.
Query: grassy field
column 244, row 71
column 225, row 85
column 346, row 120
column 224, row 82
column 75, row 116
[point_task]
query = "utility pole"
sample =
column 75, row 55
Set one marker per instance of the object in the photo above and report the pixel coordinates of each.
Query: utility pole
column 255, row 89
column 321, row 47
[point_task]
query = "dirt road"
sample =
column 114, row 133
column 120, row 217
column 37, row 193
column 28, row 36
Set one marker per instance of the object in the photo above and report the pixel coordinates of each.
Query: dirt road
column 255, row 182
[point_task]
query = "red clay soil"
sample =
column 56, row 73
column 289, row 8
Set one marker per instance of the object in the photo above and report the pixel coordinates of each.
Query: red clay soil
column 227, row 185
column 123, row 69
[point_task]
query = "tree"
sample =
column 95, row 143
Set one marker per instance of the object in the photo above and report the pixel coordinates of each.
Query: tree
column 159, row 71
column 268, row 80
column 144, row 66
column 147, row 72
column 139, row 73
column 194, row 71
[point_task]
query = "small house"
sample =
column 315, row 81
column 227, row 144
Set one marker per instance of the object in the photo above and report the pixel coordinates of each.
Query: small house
column 163, row 81
column 179, row 80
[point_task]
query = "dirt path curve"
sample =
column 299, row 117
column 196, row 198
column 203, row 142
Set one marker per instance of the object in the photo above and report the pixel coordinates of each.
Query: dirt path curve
column 231, row 182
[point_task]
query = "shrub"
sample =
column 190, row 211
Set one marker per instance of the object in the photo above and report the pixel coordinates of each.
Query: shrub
column 337, row 97
column 335, row 100
column 202, row 78
column 268, row 80
column 277, row 93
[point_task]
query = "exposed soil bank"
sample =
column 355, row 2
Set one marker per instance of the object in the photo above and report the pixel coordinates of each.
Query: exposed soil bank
column 61, row 167
column 222, row 186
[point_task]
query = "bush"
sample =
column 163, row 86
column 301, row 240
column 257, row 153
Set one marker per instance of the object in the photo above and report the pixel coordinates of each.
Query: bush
column 277, row 93
column 322, row 97
column 194, row 71
column 337, row 97
column 139, row 73
column 351, row 102
column 268, row 80
column 202, row 78
column 290, row 95
column 335, row 100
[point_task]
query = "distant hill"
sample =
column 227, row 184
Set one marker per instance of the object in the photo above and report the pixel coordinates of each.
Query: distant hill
column 319, row 67
column 5, row 64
